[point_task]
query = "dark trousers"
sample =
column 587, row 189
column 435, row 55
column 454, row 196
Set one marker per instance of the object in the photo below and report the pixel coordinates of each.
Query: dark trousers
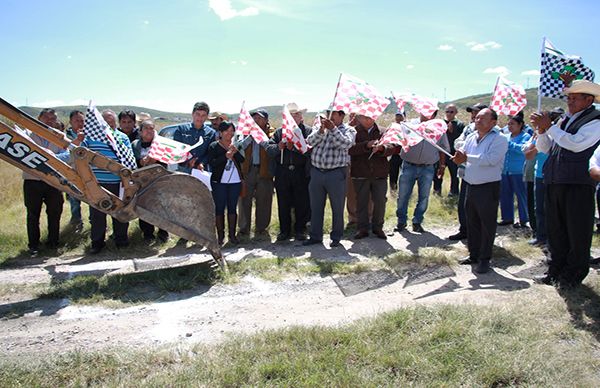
column 324, row 184
column 98, row 223
column 35, row 194
column 481, row 208
column 437, row 182
column 367, row 190
column 291, row 187
column 395, row 164
column 541, row 233
column 531, row 205
column 462, row 216
column 225, row 195
column 570, row 225
column 148, row 230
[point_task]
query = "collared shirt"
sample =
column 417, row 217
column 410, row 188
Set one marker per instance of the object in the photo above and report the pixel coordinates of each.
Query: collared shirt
column 485, row 157
column 330, row 149
column 595, row 159
column 255, row 148
column 586, row 136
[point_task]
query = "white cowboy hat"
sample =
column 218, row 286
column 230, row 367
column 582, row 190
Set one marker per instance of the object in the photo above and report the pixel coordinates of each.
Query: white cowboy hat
column 585, row 87
column 293, row 108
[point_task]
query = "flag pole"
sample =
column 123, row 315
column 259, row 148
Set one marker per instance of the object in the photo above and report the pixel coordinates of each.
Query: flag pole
column 334, row 97
column 281, row 151
column 494, row 91
column 539, row 100
column 429, row 141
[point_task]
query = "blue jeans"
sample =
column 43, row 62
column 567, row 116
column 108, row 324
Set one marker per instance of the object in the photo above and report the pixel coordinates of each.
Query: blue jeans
column 513, row 185
column 225, row 195
column 540, row 214
column 409, row 174
column 75, row 205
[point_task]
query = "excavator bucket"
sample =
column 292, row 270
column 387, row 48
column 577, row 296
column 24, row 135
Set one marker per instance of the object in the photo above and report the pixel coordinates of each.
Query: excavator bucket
column 180, row 204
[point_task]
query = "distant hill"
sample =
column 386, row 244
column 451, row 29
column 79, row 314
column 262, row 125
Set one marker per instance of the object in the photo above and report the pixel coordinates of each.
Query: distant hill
column 164, row 118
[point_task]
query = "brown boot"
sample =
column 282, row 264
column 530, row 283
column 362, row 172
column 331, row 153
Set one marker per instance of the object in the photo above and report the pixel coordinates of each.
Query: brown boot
column 232, row 225
column 220, row 223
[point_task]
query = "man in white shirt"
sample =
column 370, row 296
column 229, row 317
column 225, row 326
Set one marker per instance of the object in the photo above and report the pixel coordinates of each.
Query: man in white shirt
column 569, row 200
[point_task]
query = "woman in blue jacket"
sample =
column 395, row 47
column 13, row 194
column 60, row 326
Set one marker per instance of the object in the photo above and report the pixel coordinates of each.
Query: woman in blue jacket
column 512, row 176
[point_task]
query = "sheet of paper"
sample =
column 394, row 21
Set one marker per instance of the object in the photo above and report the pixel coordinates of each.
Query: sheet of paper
column 203, row 176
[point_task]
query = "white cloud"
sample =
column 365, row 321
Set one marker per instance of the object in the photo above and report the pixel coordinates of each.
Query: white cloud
column 445, row 47
column 146, row 22
column 225, row 11
column 69, row 57
column 244, row 63
column 500, row 70
column 410, row 67
column 239, row 62
column 491, row 45
column 531, row 72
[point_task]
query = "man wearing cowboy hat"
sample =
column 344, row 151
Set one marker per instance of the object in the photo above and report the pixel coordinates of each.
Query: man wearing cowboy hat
column 569, row 188
column 291, row 179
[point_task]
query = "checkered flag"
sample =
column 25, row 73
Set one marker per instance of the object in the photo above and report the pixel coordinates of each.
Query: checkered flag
column 169, row 151
column 291, row 132
column 354, row 95
column 247, row 126
column 422, row 105
column 97, row 129
column 509, row 98
column 556, row 64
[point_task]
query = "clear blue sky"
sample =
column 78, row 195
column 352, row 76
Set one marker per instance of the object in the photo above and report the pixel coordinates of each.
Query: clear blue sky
column 169, row 54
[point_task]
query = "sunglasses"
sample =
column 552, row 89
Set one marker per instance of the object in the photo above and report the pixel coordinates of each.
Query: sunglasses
column 450, row 111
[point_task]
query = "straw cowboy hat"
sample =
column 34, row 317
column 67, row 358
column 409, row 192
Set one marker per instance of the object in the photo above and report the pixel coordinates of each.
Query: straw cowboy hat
column 293, row 108
column 585, row 87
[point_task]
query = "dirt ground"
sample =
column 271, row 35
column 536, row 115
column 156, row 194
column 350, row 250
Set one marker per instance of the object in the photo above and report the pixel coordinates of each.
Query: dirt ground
column 209, row 314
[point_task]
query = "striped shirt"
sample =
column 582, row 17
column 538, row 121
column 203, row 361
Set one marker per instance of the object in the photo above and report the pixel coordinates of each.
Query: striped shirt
column 104, row 149
column 330, row 149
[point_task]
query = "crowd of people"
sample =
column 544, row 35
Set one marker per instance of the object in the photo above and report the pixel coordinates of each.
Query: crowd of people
column 551, row 171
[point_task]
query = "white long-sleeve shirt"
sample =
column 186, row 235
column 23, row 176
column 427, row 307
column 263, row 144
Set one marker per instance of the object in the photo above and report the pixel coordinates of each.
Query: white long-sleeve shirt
column 586, row 136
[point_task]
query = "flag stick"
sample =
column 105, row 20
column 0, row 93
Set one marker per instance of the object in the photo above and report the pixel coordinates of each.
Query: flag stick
column 494, row 91
column 539, row 101
column 430, row 142
column 334, row 97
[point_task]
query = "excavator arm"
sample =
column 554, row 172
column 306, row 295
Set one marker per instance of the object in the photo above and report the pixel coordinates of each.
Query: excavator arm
column 177, row 203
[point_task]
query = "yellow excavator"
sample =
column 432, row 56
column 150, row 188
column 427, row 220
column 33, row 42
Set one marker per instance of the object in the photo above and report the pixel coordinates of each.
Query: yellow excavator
column 175, row 202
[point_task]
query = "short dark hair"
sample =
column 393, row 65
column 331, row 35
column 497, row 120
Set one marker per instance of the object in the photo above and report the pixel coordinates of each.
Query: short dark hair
column 127, row 113
column 225, row 125
column 75, row 112
column 201, row 106
column 519, row 119
column 144, row 123
column 46, row 110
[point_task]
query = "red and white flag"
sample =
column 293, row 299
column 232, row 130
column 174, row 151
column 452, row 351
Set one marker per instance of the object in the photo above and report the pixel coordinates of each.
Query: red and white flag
column 422, row 105
column 430, row 130
column 169, row 151
column 247, row 126
column 397, row 134
column 291, row 132
column 317, row 122
column 354, row 95
column 509, row 97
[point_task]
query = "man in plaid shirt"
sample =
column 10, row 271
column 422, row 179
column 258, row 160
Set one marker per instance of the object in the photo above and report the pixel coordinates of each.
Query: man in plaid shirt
column 330, row 158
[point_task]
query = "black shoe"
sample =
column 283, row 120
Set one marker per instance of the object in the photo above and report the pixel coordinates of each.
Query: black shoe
column 149, row 238
column 504, row 223
column 283, row 237
column 95, row 249
column 483, row 266
column 163, row 237
column 122, row 244
column 380, row 234
column 400, row 228
column 33, row 251
column 334, row 243
column 182, row 241
column 544, row 279
column 467, row 261
column 458, row 236
column 300, row 237
column 417, row 228
column 52, row 244
column 361, row 234
column 310, row 241
column 594, row 261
